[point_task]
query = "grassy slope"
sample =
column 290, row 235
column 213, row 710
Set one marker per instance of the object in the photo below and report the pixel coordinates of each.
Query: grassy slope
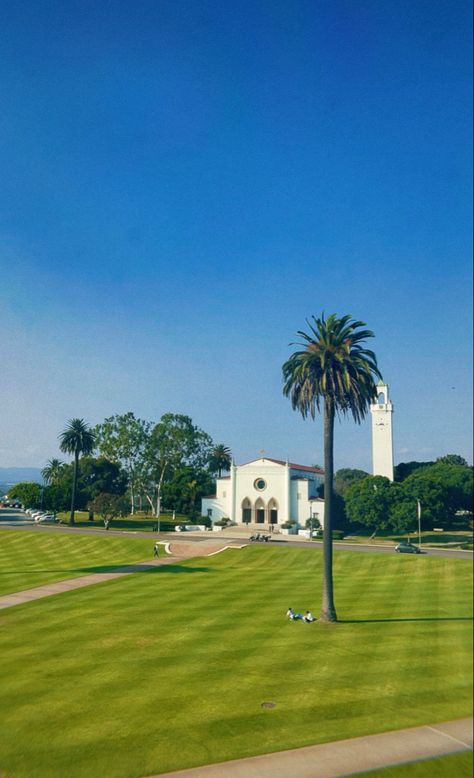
column 169, row 669
column 29, row 559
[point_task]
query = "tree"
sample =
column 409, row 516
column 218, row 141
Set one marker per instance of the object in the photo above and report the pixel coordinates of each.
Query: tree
column 368, row 502
column 53, row 471
column 442, row 489
column 345, row 477
column 76, row 439
column 109, row 506
column 452, row 459
column 26, row 492
column 183, row 491
column 123, row 438
column 334, row 370
column 405, row 469
column 221, row 459
column 175, row 442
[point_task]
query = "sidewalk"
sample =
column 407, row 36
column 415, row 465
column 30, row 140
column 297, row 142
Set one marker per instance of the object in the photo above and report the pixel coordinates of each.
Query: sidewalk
column 345, row 757
column 180, row 550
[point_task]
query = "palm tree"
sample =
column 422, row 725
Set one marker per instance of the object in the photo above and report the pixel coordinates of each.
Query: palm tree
column 76, row 439
column 221, row 458
column 334, row 370
column 52, row 471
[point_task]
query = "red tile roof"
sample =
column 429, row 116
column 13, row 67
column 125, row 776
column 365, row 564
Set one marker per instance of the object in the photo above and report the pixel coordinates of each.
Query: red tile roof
column 306, row 468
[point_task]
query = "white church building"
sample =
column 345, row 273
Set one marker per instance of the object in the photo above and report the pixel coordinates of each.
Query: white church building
column 267, row 491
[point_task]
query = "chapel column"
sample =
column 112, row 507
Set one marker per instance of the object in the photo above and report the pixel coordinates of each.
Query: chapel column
column 233, row 491
column 287, row 491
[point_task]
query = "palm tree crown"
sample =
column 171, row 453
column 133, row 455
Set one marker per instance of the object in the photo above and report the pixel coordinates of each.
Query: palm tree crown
column 52, row 470
column 334, row 366
column 77, row 438
column 221, row 458
column 334, row 369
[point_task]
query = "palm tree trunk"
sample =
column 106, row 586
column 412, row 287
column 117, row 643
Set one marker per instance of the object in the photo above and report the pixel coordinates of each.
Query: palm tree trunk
column 74, row 486
column 328, row 610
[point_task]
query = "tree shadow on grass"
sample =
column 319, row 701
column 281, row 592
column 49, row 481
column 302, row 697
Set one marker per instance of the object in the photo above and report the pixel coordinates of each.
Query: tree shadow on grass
column 414, row 618
column 113, row 569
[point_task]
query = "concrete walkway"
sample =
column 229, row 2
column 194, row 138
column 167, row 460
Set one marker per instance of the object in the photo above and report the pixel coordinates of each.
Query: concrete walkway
column 345, row 757
column 179, row 551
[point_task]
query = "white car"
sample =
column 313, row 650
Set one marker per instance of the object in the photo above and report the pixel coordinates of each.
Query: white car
column 46, row 517
column 35, row 514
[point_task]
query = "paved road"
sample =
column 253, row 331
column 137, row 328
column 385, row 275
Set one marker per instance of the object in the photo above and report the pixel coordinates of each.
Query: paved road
column 15, row 519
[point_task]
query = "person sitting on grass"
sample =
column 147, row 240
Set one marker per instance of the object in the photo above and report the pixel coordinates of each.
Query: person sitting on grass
column 292, row 615
column 308, row 617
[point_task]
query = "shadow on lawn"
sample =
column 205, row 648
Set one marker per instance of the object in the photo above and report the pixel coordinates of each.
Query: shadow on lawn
column 414, row 618
column 115, row 569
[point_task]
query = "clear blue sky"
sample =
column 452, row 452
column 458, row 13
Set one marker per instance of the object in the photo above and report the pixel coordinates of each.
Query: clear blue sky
column 184, row 182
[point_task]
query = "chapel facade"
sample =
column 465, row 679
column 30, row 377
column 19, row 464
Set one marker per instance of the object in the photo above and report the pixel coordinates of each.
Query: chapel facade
column 267, row 491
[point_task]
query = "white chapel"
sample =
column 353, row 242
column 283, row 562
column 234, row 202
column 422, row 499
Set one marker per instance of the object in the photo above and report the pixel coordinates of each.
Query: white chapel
column 267, row 491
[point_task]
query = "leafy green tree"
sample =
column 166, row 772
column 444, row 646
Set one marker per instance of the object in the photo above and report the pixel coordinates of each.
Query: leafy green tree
column 27, row 492
column 175, row 443
column 452, row 459
column 442, row 490
column 405, row 469
column 368, row 502
column 345, row 477
column 123, row 439
column 334, row 370
column 99, row 475
column 76, row 439
column 109, row 506
column 220, row 460
column 183, row 491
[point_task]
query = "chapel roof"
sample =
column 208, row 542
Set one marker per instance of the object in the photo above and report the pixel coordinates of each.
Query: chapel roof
column 293, row 466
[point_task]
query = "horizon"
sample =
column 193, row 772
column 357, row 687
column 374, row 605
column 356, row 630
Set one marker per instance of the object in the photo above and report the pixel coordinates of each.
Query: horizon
column 184, row 185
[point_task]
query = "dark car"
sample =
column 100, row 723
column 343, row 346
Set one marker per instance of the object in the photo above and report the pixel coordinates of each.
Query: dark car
column 407, row 548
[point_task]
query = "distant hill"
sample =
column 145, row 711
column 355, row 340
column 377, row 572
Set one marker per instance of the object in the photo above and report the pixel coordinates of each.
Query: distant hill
column 13, row 475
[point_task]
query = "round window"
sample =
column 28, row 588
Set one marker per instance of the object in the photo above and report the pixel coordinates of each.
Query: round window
column 260, row 484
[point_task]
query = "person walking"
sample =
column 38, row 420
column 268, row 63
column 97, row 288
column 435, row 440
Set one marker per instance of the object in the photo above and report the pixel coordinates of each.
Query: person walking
column 156, row 549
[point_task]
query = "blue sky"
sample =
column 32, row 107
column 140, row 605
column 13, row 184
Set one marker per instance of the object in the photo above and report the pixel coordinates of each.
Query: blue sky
column 184, row 183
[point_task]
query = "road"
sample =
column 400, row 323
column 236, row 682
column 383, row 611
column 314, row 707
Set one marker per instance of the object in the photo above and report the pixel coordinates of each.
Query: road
column 11, row 518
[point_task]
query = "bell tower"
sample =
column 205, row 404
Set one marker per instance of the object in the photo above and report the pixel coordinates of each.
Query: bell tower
column 382, row 438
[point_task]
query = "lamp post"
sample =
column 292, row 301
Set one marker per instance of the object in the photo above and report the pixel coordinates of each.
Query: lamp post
column 418, row 508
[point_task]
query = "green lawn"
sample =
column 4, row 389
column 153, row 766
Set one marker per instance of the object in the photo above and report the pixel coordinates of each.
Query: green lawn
column 454, row 766
column 169, row 669
column 29, row 559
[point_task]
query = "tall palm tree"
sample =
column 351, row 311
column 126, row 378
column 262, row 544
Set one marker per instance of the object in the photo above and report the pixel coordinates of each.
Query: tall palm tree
column 221, row 458
column 334, row 370
column 76, row 439
column 52, row 471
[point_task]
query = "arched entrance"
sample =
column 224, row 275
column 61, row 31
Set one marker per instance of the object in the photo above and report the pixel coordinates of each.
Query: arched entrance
column 246, row 511
column 273, row 511
column 260, row 511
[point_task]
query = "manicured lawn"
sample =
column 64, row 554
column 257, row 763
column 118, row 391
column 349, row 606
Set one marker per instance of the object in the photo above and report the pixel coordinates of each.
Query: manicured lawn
column 29, row 559
column 169, row 669
column 455, row 766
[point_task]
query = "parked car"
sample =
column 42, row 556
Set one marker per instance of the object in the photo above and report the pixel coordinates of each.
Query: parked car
column 47, row 518
column 407, row 548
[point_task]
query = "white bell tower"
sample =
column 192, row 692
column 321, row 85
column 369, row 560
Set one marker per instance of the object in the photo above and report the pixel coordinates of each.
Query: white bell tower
column 382, row 438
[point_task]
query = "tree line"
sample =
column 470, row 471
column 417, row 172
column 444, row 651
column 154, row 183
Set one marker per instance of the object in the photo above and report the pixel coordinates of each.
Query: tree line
column 442, row 491
column 146, row 464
